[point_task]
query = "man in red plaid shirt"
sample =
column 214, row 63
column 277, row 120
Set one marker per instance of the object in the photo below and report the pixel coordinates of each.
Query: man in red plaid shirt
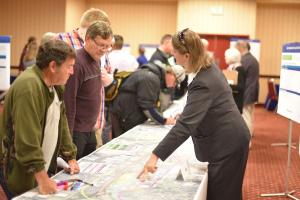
column 76, row 40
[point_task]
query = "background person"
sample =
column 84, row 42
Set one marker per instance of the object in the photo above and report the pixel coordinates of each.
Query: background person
column 30, row 55
column 233, row 59
column 163, row 54
column 141, row 59
column 25, row 49
column 121, row 60
column 138, row 95
column 251, row 67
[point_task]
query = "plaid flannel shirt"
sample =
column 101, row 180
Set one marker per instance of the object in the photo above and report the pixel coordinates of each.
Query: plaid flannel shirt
column 73, row 39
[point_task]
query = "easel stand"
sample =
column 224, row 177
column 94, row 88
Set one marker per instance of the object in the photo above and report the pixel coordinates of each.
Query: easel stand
column 283, row 144
column 286, row 193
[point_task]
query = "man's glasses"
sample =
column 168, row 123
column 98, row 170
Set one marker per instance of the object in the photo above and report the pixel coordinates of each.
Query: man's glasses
column 181, row 36
column 103, row 46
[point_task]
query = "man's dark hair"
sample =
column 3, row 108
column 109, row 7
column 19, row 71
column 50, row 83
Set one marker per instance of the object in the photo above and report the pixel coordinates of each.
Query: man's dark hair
column 118, row 42
column 54, row 50
column 165, row 37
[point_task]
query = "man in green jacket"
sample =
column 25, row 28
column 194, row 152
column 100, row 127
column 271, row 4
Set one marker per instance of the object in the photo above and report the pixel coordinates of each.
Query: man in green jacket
column 33, row 125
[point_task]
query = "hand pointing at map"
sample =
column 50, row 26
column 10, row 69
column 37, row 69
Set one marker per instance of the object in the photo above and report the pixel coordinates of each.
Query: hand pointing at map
column 150, row 166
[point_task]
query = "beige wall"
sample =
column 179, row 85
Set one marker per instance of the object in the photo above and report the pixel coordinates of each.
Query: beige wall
column 239, row 16
column 74, row 10
column 139, row 21
column 276, row 25
column 21, row 19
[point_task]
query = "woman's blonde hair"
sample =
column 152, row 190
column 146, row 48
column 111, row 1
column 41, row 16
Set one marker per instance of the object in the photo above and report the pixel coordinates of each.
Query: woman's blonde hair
column 187, row 41
column 92, row 15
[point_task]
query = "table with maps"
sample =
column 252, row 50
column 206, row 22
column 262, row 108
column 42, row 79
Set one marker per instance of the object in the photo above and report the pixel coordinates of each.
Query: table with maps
column 111, row 171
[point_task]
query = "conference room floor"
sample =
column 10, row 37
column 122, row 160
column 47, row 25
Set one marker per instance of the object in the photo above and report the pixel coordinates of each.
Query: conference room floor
column 267, row 165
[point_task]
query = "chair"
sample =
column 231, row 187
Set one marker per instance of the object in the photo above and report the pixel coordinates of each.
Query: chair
column 272, row 98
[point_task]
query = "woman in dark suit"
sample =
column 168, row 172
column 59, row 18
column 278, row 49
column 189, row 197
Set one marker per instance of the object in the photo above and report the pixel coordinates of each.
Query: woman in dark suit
column 211, row 118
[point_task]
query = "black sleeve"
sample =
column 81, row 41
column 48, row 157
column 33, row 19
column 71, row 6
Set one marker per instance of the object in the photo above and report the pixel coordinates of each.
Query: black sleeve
column 240, row 86
column 154, row 115
column 198, row 102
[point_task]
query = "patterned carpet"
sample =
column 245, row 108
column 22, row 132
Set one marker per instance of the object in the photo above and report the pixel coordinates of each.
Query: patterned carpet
column 266, row 168
column 267, row 165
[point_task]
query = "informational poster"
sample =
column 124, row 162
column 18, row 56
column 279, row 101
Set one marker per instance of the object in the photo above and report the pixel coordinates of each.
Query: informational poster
column 4, row 63
column 289, row 90
column 254, row 46
column 149, row 49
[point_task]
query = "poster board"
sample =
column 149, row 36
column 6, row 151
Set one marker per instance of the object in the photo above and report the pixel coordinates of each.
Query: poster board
column 4, row 63
column 254, row 46
column 289, row 90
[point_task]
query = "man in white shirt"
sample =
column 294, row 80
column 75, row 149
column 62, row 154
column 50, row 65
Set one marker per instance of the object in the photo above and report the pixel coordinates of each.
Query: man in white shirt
column 120, row 59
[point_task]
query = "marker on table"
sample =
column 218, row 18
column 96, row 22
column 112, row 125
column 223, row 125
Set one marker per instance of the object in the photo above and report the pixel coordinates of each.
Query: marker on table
column 62, row 185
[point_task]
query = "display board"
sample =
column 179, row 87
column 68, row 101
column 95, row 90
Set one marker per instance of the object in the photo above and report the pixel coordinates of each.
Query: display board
column 289, row 90
column 4, row 63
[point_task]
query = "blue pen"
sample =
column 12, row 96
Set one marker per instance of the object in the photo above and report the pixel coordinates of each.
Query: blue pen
column 76, row 186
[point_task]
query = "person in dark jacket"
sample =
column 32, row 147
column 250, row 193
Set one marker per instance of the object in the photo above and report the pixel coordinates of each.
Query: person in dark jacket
column 211, row 118
column 163, row 54
column 138, row 95
column 233, row 59
column 251, row 67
